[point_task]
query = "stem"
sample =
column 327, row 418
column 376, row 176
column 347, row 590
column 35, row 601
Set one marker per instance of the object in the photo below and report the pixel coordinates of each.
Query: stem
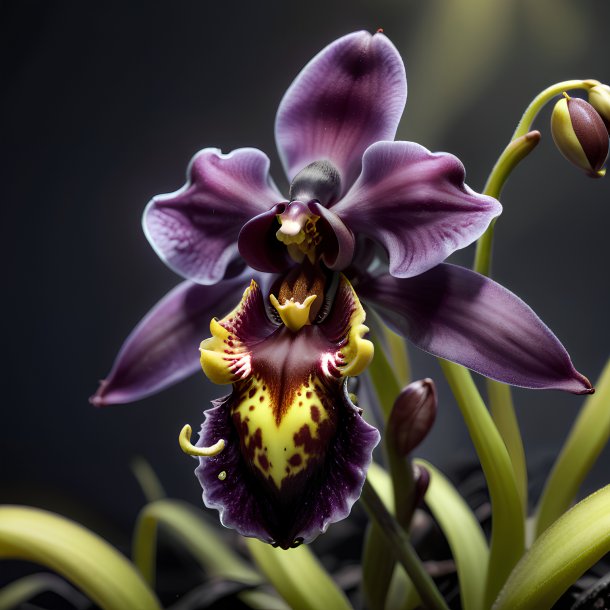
column 522, row 143
column 399, row 542
column 531, row 112
column 377, row 565
column 508, row 529
column 587, row 438
column 503, row 413
column 386, row 385
column 399, row 355
column 512, row 155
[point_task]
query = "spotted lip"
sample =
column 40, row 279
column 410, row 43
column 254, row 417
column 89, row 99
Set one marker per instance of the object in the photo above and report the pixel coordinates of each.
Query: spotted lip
column 288, row 422
column 308, row 501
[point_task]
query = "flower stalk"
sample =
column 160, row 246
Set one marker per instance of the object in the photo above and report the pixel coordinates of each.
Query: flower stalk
column 507, row 542
column 398, row 540
column 520, row 146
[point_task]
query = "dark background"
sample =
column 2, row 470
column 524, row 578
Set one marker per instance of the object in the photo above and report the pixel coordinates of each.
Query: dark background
column 103, row 106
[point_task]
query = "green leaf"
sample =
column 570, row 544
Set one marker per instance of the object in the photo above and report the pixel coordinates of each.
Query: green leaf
column 464, row 535
column 508, row 523
column 458, row 524
column 570, row 546
column 587, row 438
column 298, row 577
column 384, row 379
column 20, row 591
column 79, row 555
column 188, row 527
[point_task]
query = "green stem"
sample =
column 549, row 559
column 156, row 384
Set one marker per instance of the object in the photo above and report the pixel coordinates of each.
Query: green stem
column 512, row 155
column 531, row 112
column 503, row 413
column 399, row 354
column 587, row 438
column 377, row 565
column 399, row 542
column 387, row 386
column 522, row 143
column 508, row 530
column 377, row 568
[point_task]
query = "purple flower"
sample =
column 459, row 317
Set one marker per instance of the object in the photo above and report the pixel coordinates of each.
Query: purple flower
column 386, row 214
column 334, row 129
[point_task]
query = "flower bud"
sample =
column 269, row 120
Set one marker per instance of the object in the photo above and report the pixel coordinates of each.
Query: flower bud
column 580, row 134
column 412, row 416
column 421, row 477
column 599, row 98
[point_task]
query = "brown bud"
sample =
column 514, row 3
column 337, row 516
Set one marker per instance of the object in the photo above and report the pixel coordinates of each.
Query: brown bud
column 580, row 134
column 421, row 477
column 599, row 98
column 412, row 416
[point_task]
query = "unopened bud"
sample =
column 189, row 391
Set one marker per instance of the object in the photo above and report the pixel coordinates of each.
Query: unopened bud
column 412, row 416
column 580, row 134
column 421, row 477
column 599, row 98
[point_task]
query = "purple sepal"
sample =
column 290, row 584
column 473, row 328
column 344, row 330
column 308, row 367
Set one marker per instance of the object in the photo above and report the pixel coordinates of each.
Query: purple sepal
column 259, row 246
column 459, row 315
column 415, row 204
column 309, row 504
column 164, row 347
column 338, row 241
column 195, row 229
column 348, row 96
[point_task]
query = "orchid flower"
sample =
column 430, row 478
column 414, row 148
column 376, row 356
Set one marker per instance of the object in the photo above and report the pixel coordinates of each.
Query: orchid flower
column 366, row 217
column 341, row 112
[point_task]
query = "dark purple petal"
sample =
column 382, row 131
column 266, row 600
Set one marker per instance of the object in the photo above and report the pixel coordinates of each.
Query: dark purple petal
column 262, row 250
column 347, row 97
column 259, row 246
column 415, row 203
column 164, row 347
column 195, row 229
column 337, row 240
column 305, row 505
column 465, row 317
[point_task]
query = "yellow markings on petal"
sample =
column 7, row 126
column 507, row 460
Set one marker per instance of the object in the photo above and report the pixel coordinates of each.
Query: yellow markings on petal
column 282, row 449
column 294, row 315
column 357, row 353
column 224, row 359
column 190, row 449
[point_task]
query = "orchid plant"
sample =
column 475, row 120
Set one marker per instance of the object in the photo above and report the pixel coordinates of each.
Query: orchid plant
column 285, row 284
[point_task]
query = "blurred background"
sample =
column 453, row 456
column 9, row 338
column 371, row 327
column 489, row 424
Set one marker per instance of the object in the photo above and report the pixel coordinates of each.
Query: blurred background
column 103, row 106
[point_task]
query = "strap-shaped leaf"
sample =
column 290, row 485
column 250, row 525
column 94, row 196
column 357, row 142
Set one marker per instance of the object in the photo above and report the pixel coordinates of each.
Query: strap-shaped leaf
column 570, row 546
column 508, row 528
column 79, row 555
column 464, row 535
column 298, row 577
column 587, row 438
column 187, row 526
